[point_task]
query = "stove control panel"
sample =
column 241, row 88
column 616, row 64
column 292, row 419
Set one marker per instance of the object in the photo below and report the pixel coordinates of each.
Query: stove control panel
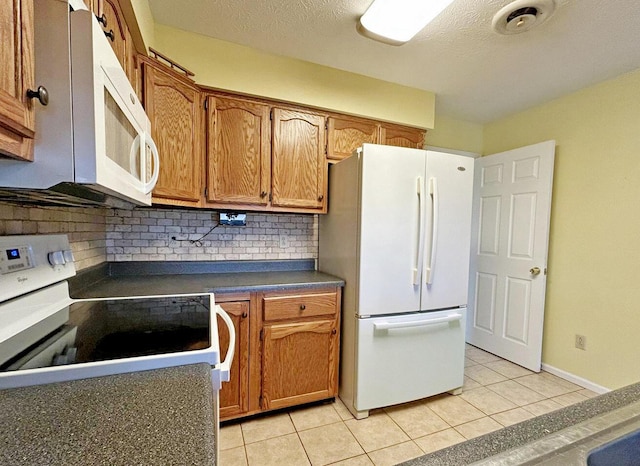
column 30, row 262
column 16, row 258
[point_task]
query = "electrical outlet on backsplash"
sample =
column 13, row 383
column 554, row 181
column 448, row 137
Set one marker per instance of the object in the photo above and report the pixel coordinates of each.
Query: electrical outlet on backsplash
column 161, row 234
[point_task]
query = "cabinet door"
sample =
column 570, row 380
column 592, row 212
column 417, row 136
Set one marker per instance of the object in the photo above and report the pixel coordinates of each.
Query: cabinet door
column 299, row 363
column 115, row 28
column 345, row 135
column 173, row 106
column 400, row 136
column 17, row 118
column 299, row 169
column 239, row 151
column 234, row 396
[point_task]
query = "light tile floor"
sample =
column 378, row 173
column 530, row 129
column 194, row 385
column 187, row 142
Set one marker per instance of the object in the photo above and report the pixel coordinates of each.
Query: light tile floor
column 496, row 393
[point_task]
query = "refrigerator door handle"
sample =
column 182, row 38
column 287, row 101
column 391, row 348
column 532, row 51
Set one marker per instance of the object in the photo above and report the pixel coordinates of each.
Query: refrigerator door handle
column 417, row 323
column 417, row 270
column 433, row 192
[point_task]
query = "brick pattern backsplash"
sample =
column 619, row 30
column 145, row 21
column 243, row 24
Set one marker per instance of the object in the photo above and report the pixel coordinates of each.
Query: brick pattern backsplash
column 148, row 234
column 86, row 228
column 166, row 234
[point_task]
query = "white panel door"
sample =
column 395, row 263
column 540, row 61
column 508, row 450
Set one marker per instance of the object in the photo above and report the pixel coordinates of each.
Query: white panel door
column 392, row 194
column 449, row 193
column 509, row 242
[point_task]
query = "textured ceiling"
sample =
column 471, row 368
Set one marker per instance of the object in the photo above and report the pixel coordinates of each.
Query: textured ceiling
column 476, row 74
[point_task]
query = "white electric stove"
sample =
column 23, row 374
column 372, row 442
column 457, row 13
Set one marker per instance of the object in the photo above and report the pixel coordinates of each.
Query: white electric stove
column 46, row 336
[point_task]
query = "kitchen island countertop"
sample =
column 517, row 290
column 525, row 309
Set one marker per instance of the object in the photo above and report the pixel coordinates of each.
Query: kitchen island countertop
column 157, row 417
column 538, row 439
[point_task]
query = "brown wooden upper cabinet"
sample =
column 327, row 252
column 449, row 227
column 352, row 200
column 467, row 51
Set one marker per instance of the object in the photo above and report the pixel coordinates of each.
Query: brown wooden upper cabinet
column 111, row 18
column 173, row 104
column 401, row 136
column 262, row 157
column 346, row 134
column 298, row 165
column 239, row 151
column 17, row 60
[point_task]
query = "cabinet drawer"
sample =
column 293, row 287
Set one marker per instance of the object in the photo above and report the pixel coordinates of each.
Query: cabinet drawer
column 299, row 306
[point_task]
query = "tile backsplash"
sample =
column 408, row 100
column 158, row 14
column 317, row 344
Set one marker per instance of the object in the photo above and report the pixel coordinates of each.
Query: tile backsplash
column 86, row 228
column 166, row 234
column 149, row 234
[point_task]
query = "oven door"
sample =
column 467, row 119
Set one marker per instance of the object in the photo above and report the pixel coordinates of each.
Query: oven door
column 113, row 147
column 117, row 335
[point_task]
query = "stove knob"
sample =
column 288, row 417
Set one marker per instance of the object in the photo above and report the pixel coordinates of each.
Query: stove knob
column 56, row 258
column 68, row 255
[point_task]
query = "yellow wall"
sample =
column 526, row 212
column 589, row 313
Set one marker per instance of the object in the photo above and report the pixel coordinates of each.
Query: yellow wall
column 455, row 134
column 145, row 21
column 242, row 69
column 593, row 287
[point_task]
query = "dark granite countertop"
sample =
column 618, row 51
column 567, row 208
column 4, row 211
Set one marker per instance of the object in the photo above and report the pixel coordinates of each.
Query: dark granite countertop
column 157, row 278
column 526, row 432
column 156, row 417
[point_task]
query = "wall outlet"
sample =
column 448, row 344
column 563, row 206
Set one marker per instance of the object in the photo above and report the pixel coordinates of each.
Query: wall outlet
column 581, row 342
column 284, row 241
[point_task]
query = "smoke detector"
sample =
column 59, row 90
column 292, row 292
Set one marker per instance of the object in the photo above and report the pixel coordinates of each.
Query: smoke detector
column 522, row 15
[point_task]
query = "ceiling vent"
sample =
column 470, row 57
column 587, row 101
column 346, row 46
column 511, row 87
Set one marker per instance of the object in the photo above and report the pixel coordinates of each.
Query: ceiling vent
column 522, row 15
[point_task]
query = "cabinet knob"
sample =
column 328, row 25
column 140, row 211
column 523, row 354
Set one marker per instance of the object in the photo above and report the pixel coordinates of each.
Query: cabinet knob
column 41, row 94
column 302, row 307
column 320, row 197
column 263, row 194
column 102, row 20
column 244, row 315
column 334, row 331
column 110, row 35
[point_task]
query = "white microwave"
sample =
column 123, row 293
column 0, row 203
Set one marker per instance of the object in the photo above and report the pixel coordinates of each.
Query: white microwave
column 93, row 138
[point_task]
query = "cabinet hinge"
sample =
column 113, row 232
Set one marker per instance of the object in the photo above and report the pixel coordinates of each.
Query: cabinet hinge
column 206, row 104
column 260, row 400
column 206, row 192
column 270, row 114
column 261, row 334
column 270, row 197
column 325, row 149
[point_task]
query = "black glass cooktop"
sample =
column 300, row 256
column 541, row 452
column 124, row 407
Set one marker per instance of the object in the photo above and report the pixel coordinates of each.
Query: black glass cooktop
column 115, row 329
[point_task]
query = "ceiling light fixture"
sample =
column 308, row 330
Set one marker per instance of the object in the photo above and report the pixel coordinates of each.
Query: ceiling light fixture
column 395, row 22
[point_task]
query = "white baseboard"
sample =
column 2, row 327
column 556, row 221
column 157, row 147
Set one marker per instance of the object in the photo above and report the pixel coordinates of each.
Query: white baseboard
column 575, row 379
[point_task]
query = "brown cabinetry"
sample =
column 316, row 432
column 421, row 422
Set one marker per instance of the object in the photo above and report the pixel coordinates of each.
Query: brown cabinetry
column 299, row 169
column 287, row 349
column 239, row 151
column 401, row 136
column 234, row 396
column 118, row 34
column 173, row 104
column 264, row 157
column 346, row 134
column 300, row 348
column 17, row 63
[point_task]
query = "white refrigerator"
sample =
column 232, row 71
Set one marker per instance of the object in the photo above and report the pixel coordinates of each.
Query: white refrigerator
column 398, row 232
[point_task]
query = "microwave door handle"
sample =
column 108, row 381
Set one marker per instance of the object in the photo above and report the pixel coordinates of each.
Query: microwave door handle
column 133, row 156
column 148, row 187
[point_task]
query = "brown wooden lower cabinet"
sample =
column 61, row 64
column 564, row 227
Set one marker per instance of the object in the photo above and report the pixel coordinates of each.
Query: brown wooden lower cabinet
column 299, row 363
column 287, row 349
column 234, row 396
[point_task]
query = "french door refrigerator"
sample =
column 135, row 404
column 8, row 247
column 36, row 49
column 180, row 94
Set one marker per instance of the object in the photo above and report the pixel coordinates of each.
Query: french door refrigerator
column 398, row 232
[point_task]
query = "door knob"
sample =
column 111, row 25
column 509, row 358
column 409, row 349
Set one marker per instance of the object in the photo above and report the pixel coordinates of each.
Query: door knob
column 534, row 271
